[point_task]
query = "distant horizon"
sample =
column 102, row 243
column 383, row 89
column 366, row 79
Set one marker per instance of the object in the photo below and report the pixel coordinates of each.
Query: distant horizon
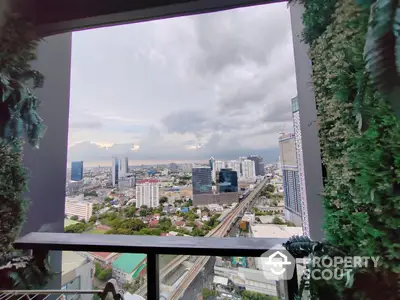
column 143, row 162
column 135, row 162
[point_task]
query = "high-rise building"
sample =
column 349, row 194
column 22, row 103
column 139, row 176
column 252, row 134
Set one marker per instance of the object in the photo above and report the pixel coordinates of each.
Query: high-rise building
column 173, row 167
column 212, row 167
column 115, row 171
column 219, row 164
column 147, row 193
column 290, row 178
column 76, row 170
column 227, row 181
column 248, row 169
column 187, row 167
column 202, row 180
column 300, row 165
column 123, row 166
column 258, row 164
column 235, row 166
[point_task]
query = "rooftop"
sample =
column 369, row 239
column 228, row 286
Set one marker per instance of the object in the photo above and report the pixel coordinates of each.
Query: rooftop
column 71, row 261
column 102, row 255
column 128, row 262
column 275, row 231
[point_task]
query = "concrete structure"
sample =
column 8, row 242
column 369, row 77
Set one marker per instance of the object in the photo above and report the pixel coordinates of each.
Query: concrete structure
column 83, row 210
column 129, row 266
column 77, row 274
column 312, row 210
column 223, row 198
column 148, row 193
column 272, row 231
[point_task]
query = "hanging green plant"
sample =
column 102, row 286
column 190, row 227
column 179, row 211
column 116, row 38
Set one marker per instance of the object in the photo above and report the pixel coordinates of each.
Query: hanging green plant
column 18, row 105
column 18, row 116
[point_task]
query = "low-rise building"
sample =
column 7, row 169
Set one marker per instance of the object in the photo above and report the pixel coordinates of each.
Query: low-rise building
column 77, row 274
column 129, row 266
column 104, row 258
column 83, row 210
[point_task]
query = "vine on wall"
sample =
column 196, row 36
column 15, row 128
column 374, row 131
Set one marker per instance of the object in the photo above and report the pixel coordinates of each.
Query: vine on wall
column 360, row 145
column 18, row 116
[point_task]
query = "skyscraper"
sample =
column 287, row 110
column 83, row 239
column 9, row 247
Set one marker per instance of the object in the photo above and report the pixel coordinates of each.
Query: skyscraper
column 248, row 169
column 300, row 165
column 227, row 181
column 201, row 180
column 147, row 193
column 123, row 166
column 290, row 178
column 235, row 166
column 258, row 164
column 76, row 170
column 115, row 171
column 212, row 166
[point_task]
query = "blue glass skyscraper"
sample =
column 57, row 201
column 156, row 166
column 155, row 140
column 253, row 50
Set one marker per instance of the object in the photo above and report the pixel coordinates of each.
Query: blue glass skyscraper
column 227, row 181
column 76, row 170
column 201, row 180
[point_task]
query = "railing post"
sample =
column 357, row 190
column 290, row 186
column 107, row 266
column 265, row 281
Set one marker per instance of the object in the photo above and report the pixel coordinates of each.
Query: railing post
column 293, row 285
column 153, row 278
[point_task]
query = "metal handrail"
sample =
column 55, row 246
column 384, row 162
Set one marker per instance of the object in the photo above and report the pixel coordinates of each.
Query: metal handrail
column 111, row 287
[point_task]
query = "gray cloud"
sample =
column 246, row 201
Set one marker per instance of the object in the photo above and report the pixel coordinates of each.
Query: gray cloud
column 185, row 88
column 86, row 125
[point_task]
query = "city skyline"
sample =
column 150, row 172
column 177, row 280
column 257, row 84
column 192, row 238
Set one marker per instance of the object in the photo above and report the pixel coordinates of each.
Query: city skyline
column 184, row 88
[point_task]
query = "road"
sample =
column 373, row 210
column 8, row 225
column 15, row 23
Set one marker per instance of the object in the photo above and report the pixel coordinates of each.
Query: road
column 220, row 231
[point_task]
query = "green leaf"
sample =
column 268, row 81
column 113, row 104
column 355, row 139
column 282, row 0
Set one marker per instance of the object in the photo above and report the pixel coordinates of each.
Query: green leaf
column 379, row 51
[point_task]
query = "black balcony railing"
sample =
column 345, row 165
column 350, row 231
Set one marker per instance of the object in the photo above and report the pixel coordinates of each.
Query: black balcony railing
column 153, row 246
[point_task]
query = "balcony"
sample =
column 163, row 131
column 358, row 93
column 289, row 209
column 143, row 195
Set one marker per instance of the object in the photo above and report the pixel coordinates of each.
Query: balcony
column 41, row 243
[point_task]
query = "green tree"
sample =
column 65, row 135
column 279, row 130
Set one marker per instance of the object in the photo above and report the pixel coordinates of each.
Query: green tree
column 132, row 224
column 74, row 218
column 206, row 293
column 270, row 188
column 108, row 199
column 75, row 228
column 143, row 212
column 97, row 269
column 93, row 219
column 130, row 212
column 277, row 220
column 163, row 200
column 248, row 295
column 105, row 274
column 165, row 224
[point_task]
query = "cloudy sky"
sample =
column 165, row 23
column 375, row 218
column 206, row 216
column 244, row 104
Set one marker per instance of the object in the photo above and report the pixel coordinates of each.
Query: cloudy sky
column 186, row 88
